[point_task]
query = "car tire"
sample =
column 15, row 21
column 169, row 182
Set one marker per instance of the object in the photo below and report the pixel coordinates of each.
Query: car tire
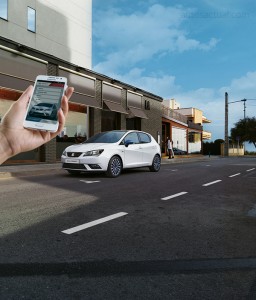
column 156, row 164
column 73, row 172
column 114, row 167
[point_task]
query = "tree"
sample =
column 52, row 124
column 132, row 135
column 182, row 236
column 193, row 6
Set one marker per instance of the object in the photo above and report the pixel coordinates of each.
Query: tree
column 212, row 148
column 245, row 131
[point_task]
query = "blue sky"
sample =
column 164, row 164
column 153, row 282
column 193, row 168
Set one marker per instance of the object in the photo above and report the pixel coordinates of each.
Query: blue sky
column 193, row 51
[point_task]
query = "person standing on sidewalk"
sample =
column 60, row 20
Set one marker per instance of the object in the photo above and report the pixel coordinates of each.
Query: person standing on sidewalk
column 169, row 144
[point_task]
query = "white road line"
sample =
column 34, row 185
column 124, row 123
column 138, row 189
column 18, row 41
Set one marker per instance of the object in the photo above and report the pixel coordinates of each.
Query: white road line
column 234, row 175
column 93, row 223
column 213, row 182
column 250, row 170
column 87, row 181
column 173, row 196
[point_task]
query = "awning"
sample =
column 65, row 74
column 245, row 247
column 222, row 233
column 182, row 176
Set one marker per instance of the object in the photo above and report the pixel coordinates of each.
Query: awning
column 136, row 112
column 113, row 106
column 85, row 99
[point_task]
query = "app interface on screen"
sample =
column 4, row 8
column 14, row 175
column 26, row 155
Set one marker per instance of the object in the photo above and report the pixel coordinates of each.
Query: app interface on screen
column 45, row 101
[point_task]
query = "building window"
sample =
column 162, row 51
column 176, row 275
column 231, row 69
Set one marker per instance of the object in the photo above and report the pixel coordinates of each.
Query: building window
column 3, row 9
column 31, row 19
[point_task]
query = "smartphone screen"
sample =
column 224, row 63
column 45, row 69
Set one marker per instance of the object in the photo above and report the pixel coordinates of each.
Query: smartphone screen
column 45, row 102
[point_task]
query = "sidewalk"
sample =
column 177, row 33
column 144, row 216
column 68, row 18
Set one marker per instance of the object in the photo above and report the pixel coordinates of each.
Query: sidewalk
column 20, row 170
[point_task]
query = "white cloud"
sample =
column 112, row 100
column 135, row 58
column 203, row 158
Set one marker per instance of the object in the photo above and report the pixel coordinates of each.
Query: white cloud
column 130, row 39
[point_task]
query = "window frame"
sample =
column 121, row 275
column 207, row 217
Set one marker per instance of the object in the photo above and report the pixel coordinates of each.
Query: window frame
column 29, row 27
column 2, row 17
column 146, row 140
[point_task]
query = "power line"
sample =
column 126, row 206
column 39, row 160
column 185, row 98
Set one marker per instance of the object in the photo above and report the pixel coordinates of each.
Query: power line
column 243, row 100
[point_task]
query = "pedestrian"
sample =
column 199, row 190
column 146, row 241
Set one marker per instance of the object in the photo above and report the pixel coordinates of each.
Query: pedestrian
column 169, row 145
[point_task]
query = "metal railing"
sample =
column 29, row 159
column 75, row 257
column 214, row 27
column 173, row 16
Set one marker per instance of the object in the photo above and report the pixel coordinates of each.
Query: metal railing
column 194, row 126
column 170, row 113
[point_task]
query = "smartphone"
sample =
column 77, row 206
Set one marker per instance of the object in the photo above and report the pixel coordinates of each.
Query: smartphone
column 42, row 111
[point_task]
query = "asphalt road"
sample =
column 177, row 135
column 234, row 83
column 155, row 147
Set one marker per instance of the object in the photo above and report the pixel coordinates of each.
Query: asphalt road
column 187, row 232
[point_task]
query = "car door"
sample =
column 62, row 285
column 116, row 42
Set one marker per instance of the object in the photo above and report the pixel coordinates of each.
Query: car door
column 132, row 151
column 147, row 147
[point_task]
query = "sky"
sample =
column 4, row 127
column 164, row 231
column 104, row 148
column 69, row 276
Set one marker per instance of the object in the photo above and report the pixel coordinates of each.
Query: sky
column 192, row 51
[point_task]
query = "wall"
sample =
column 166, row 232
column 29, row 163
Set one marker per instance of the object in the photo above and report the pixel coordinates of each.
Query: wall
column 234, row 150
column 153, row 124
column 58, row 24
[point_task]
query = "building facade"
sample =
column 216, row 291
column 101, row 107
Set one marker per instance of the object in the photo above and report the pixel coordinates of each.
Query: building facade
column 184, row 126
column 62, row 29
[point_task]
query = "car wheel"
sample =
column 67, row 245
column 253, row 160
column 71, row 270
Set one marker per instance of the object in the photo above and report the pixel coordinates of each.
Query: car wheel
column 73, row 172
column 114, row 167
column 156, row 164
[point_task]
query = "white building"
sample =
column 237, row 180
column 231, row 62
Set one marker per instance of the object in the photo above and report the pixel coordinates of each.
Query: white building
column 60, row 28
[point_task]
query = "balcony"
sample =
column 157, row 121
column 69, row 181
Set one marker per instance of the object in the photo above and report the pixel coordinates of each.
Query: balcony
column 174, row 115
column 195, row 126
column 207, row 135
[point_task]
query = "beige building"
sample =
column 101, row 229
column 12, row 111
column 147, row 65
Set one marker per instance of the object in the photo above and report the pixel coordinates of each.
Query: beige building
column 184, row 126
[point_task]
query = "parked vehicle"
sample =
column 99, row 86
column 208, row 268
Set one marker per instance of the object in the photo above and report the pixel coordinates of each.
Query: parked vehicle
column 113, row 151
column 42, row 110
column 179, row 151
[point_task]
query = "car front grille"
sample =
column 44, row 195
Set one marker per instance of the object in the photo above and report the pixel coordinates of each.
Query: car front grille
column 73, row 166
column 74, row 154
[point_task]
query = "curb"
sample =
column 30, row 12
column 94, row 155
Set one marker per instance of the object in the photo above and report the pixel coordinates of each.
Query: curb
column 34, row 170
column 26, row 173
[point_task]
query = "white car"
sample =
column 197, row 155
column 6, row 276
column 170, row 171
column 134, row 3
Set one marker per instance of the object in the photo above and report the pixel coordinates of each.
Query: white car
column 113, row 151
column 44, row 110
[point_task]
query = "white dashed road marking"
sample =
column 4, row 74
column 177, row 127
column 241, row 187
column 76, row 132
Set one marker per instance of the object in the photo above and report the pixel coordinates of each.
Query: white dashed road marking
column 234, row 175
column 213, row 182
column 250, row 170
column 173, row 196
column 87, row 181
column 93, row 223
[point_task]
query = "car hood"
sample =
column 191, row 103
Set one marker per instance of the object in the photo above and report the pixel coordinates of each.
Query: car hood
column 87, row 147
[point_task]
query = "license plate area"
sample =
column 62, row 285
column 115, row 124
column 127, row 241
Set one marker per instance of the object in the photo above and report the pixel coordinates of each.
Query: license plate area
column 72, row 160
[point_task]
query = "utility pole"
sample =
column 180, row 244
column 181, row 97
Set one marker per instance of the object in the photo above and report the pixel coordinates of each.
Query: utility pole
column 244, row 100
column 226, row 145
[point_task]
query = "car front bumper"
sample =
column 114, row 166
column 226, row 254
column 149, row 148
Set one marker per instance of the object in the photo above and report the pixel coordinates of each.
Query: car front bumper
column 85, row 164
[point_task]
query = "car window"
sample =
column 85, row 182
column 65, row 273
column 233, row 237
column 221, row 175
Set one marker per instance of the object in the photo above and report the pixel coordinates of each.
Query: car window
column 106, row 137
column 144, row 138
column 132, row 138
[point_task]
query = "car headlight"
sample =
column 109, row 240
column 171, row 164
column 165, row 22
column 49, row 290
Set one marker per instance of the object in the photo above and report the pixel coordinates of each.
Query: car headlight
column 93, row 152
column 64, row 153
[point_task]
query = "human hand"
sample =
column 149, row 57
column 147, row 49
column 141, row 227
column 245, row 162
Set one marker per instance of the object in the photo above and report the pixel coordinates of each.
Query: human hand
column 14, row 138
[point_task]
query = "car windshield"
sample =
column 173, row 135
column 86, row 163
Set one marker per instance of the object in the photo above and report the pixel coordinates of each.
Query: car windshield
column 106, row 137
column 45, row 104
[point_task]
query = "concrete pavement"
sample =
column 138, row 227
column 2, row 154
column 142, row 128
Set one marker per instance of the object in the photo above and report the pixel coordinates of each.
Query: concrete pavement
column 20, row 170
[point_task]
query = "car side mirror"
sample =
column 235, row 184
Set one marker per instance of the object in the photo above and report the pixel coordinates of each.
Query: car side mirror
column 127, row 143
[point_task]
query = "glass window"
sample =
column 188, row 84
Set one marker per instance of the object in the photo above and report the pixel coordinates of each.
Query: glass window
column 132, row 138
column 31, row 19
column 144, row 138
column 106, row 137
column 3, row 9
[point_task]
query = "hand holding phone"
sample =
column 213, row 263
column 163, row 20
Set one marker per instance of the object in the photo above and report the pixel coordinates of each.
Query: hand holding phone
column 42, row 111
